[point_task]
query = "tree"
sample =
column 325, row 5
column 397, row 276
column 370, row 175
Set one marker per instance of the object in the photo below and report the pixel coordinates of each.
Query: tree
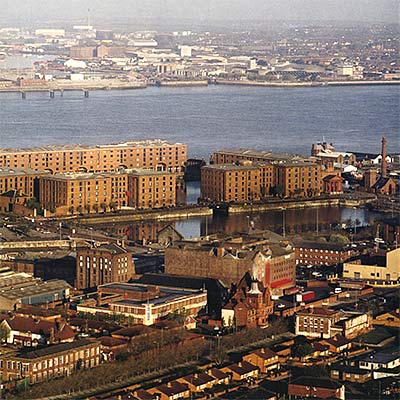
column 80, row 209
column 103, row 206
column 338, row 238
column 33, row 204
column 4, row 333
column 301, row 348
column 88, row 208
column 279, row 190
column 71, row 210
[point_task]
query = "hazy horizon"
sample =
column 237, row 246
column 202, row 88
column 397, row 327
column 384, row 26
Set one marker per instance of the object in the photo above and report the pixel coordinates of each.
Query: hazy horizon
column 48, row 12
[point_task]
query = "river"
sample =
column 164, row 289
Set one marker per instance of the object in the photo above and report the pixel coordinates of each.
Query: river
column 209, row 118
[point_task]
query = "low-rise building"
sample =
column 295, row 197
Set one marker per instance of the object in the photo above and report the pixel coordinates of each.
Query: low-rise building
column 25, row 331
column 321, row 322
column 145, row 304
column 350, row 373
column 380, row 360
column 22, row 289
column 49, row 362
column 242, row 371
column 265, row 359
column 198, row 382
column 322, row 388
column 171, row 391
column 375, row 268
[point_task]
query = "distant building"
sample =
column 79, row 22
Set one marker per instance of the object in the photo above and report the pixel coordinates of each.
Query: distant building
column 82, row 52
column 50, row 32
column 151, row 189
column 158, row 155
column 186, row 51
column 102, row 264
column 241, row 182
column 345, row 70
column 78, row 193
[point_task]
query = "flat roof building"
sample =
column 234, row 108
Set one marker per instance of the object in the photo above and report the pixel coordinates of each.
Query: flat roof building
column 150, row 154
column 145, row 304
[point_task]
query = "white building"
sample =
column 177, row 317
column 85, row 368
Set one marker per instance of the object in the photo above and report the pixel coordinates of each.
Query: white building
column 50, row 32
column 186, row 51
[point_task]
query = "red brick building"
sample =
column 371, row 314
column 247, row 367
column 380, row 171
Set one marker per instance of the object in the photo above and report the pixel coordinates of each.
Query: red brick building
column 250, row 305
column 49, row 362
column 229, row 260
column 320, row 254
column 332, row 184
column 321, row 388
column 103, row 264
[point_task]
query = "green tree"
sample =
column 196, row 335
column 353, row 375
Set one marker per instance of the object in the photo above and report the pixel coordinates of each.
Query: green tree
column 301, row 348
column 338, row 238
column 33, row 204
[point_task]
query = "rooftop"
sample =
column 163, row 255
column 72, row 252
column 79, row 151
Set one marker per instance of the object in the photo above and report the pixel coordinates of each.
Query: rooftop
column 54, row 349
column 6, row 172
column 78, row 147
column 381, row 358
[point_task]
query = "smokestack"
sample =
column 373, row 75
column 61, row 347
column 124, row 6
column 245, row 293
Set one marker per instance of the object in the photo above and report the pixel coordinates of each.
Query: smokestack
column 383, row 162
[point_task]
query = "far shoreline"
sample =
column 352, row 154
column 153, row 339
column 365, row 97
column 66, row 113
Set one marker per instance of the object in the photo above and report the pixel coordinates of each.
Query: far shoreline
column 196, row 83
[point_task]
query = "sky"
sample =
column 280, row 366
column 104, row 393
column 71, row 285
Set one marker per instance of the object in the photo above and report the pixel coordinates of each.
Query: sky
column 47, row 11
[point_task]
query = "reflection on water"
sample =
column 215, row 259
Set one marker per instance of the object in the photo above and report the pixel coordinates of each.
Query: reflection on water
column 296, row 221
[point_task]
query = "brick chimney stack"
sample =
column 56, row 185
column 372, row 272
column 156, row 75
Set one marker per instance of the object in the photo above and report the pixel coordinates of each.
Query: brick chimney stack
column 383, row 162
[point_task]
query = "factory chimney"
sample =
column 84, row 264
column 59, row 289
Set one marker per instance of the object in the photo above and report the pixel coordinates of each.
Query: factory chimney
column 383, row 162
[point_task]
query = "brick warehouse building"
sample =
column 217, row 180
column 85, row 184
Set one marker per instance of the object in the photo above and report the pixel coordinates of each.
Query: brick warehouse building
column 25, row 181
column 230, row 259
column 148, row 189
column 103, row 264
column 260, row 175
column 75, row 193
column 316, row 253
column 149, row 154
column 240, row 182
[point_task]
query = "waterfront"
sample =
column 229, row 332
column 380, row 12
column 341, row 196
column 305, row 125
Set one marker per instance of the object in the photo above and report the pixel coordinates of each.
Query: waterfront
column 296, row 221
column 208, row 118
